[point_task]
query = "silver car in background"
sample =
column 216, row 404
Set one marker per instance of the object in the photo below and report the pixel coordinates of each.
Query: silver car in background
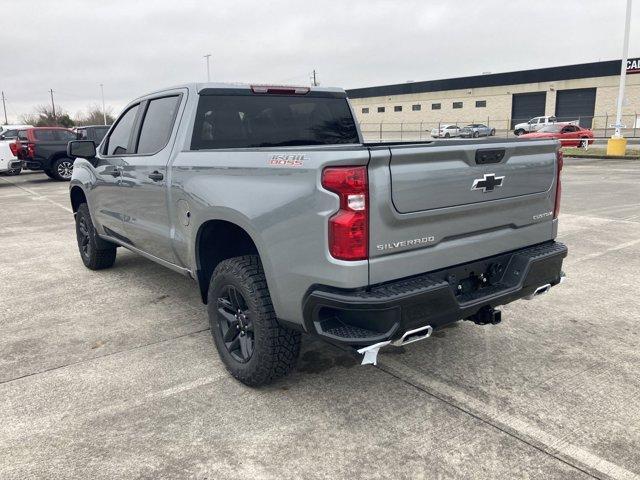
column 476, row 130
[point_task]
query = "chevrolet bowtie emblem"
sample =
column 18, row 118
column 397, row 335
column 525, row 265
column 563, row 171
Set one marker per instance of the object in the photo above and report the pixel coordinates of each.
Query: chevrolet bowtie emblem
column 488, row 183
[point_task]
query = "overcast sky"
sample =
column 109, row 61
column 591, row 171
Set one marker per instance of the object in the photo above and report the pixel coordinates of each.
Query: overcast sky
column 133, row 47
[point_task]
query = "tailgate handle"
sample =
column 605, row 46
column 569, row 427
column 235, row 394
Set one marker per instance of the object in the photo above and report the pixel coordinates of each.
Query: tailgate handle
column 489, row 155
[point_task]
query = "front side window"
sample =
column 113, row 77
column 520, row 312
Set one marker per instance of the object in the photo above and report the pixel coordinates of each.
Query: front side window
column 81, row 133
column 157, row 124
column 457, row 104
column 118, row 141
column 22, row 135
column 252, row 121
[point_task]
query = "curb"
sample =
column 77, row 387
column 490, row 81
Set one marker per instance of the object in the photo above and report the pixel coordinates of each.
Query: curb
column 603, row 157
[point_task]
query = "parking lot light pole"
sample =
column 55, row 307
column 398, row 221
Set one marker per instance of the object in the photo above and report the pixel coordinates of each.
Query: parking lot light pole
column 208, row 56
column 104, row 111
column 617, row 144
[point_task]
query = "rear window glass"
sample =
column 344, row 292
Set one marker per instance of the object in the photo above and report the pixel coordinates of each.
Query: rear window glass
column 248, row 121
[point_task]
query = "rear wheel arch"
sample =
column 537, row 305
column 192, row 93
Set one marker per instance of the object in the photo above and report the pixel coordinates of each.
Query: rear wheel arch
column 216, row 241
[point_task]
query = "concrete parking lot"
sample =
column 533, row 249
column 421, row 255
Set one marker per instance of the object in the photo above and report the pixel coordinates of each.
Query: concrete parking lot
column 113, row 374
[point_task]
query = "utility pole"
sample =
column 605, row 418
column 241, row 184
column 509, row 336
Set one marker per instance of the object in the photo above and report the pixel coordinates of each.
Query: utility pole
column 104, row 111
column 617, row 145
column 314, row 80
column 4, row 105
column 53, row 105
column 208, row 56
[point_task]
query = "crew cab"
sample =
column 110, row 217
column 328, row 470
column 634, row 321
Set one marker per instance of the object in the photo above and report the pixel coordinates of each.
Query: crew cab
column 45, row 148
column 270, row 200
column 536, row 124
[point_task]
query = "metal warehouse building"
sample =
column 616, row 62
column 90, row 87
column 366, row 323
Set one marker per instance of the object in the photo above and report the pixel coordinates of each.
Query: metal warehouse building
column 585, row 92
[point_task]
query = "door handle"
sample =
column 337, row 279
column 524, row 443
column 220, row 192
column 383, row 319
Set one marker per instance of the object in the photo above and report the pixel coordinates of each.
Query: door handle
column 156, row 176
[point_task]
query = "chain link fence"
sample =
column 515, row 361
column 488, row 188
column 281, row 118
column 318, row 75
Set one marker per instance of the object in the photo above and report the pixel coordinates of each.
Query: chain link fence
column 420, row 131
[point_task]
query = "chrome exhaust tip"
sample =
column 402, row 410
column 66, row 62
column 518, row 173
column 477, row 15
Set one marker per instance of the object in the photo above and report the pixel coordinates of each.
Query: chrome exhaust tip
column 414, row 335
column 539, row 291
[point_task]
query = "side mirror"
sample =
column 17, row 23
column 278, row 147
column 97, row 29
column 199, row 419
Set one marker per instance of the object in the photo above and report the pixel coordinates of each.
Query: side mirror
column 81, row 149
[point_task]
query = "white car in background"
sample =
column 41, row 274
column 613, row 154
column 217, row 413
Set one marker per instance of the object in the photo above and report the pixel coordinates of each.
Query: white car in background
column 9, row 146
column 446, row 131
column 6, row 128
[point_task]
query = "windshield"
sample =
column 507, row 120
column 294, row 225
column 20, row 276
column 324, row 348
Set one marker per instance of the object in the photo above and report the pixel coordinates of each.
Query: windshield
column 249, row 121
column 551, row 129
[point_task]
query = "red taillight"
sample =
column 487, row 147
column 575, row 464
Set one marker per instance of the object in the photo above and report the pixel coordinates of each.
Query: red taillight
column 31, row 150
column 15, row 148
column 349, row 228
column 560, row 163
column 280, row 90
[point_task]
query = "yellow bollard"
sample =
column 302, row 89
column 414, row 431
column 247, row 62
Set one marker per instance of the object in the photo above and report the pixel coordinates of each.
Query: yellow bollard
column 617, row 146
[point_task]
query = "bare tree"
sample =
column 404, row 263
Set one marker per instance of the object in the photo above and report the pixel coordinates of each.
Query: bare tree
column 43, row 117
column 93, row 116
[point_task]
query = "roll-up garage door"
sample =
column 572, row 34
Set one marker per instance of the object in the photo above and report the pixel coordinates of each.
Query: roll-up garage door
column 576, row 104
column 525, row 106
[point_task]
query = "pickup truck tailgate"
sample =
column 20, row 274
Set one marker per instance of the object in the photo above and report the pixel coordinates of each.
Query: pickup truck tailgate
column 446, row 203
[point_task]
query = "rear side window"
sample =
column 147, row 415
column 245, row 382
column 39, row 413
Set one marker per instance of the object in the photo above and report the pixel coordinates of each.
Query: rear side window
column 45, row 135
column 118, row 141
column 22, row 135
column 249, row 121
column 157, row 124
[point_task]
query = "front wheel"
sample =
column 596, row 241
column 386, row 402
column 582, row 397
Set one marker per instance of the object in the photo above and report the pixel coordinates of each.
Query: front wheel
column 14, row 171
column 95, row 252
column 492, row 133
column 519, row 132
column 251, row 343
column 476, row 134
column 62, row 169
column 584, row 143
column 446, row 135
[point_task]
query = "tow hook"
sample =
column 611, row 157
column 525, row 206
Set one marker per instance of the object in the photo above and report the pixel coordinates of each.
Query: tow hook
column 486, row 315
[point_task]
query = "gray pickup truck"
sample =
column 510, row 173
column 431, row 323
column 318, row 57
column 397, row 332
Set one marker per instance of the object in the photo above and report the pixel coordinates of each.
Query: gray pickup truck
column 269, row 198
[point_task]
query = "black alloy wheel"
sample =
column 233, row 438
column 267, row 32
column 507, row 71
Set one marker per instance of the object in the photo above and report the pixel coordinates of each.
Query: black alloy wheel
column 235, row 323
column 84, row 237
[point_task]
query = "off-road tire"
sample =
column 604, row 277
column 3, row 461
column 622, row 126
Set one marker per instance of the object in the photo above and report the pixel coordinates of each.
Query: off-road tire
column 275, row 348
column 96, row 253
column 61, row 169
